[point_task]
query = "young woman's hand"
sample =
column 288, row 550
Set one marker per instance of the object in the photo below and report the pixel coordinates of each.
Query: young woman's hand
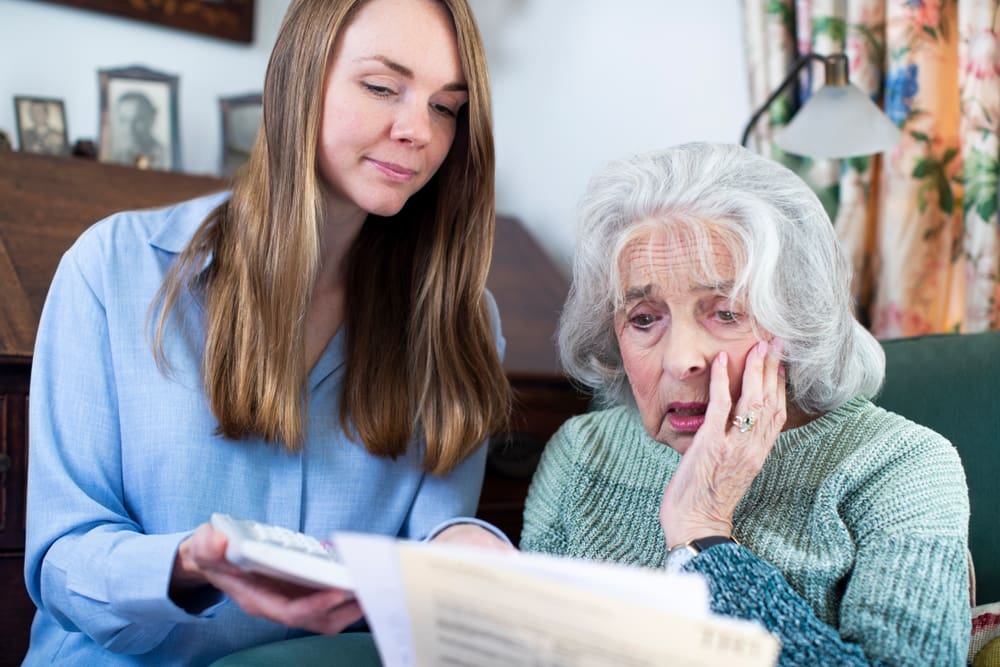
column 472, row 535
column 201, row 560
column 724, row 458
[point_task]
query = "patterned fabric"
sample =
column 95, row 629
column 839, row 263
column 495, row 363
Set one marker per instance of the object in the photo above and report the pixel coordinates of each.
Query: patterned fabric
column 985, row 627
column 921, row 222
column 854, row 533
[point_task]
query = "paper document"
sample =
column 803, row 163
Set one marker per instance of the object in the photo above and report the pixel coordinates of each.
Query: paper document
column 431, row 604
column 379, row 587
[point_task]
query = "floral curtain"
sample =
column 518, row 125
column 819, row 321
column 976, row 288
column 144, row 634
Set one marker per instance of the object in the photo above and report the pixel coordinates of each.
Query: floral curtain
column 921, row 220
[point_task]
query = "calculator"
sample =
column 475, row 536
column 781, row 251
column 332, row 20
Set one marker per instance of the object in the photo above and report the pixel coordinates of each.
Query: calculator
column 282, row 553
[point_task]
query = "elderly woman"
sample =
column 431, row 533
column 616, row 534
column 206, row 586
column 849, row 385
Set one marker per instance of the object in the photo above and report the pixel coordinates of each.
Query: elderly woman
column 710, row 310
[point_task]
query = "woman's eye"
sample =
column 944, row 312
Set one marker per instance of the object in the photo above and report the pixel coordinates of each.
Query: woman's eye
column 381, row 91
column 444, row 110
column 643, row 321
column 728, row 316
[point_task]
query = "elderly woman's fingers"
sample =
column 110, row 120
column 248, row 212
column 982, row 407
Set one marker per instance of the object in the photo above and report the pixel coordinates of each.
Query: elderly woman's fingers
column 725, row 457
column 771, row 410
column 782, row 388
column 747, row 411
column 774, row 385
column 772, row 362
column 760, row 402
column 755, row 376
column 720, row 403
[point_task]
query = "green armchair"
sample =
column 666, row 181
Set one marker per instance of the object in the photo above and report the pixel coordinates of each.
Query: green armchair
column 951, row 383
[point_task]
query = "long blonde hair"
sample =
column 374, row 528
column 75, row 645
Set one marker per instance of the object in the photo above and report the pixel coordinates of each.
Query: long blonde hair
column 421, row 357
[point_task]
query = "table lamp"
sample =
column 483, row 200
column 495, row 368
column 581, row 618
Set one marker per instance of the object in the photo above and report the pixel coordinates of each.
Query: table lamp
column 837, row 121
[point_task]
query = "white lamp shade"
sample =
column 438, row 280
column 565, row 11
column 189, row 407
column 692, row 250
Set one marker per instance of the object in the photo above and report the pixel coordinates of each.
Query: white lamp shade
column 838, row 122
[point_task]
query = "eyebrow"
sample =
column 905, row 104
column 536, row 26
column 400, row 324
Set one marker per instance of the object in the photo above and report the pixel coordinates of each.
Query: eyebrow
column 408, row 73
column 634, row 293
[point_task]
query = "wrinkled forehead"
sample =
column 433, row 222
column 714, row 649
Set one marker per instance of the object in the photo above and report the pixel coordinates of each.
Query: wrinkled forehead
column 671, row 256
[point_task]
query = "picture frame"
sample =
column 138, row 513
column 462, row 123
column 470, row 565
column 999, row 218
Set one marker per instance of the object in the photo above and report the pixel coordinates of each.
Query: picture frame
column 41, row 125
column 224, row 19
column 138, row 111
column 241, row 117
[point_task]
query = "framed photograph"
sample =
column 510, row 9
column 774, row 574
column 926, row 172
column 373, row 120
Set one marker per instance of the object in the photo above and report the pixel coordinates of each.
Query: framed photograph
column 41, row 125
column 241, row 118
column 226, row 19
column 139, row 118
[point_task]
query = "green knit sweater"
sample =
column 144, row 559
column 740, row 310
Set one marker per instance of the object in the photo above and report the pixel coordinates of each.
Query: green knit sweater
column 854, row 532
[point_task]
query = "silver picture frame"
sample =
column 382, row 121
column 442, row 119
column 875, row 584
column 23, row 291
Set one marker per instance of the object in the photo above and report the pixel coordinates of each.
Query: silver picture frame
column 139, row 125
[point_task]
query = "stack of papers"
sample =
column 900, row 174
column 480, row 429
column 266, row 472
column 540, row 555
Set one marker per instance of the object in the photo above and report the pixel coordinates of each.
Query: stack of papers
column 433, row 604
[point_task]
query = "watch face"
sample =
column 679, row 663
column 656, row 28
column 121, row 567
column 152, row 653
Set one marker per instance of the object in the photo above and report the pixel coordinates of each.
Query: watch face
column 679, row 556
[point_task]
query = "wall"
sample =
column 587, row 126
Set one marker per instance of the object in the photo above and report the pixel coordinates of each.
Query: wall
column 576, row 83
column 579, row 82
column 49, row 50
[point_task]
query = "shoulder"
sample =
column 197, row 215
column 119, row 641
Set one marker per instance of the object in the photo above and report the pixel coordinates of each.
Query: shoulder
column 120, row 254
column 902, row 469
column 884, row 438
column 168, row 228
column 871, row 435
column 870, row 453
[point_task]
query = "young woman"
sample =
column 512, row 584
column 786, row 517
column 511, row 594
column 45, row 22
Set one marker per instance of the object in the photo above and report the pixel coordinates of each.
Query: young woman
column 315, row 349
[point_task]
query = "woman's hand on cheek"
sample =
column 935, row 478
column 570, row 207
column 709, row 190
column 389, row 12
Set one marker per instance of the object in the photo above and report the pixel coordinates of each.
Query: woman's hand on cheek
column 722, row 461
column 201, row 560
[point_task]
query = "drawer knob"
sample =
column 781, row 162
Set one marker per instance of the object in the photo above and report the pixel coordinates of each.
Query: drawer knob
column 5, row 463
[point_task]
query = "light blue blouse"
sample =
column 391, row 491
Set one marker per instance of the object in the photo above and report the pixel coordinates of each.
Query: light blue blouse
column 124, row 462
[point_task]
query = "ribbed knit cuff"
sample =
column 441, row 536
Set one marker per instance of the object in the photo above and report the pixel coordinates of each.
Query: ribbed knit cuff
column 744, row 586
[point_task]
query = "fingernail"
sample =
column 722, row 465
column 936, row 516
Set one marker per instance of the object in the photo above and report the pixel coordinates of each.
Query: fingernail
column 762, row 348
column 781, row 370
column 723, row 357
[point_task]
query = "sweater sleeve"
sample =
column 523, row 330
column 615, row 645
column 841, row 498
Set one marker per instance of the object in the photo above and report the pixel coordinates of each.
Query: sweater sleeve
column 544, row 530
column 744, row 586
column 87, row 562
column 905, row 600
column 909, row 519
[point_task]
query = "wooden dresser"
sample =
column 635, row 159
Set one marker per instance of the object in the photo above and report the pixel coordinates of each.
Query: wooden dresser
column 45, row 203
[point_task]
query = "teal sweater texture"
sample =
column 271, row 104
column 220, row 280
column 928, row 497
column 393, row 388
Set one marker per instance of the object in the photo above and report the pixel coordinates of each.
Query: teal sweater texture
column 853, row 536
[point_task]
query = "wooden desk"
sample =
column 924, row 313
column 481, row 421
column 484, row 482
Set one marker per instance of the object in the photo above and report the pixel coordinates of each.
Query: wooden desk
column 45, row 203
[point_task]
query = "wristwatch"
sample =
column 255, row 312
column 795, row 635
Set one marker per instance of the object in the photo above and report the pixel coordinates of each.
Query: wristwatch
column 679, row 556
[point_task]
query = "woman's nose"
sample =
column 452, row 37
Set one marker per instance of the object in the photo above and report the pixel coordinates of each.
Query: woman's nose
column 412, row 124
column 683, row 356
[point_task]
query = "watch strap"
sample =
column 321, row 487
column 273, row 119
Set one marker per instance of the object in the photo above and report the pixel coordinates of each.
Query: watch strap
column 703, row 543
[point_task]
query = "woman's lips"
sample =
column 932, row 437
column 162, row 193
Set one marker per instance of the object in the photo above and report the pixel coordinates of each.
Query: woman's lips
column 686, row 417
column 393, row 171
